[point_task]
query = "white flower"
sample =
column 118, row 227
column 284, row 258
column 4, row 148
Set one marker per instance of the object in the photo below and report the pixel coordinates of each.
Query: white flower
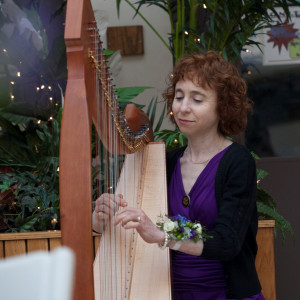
column 176, row 224
column 169, row 225
column 198, row 228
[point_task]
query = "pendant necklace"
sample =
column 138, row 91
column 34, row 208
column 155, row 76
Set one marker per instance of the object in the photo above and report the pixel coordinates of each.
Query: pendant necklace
column 186, row 200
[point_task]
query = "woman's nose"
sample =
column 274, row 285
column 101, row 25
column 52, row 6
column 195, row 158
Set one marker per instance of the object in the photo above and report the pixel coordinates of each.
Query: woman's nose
column 185, row 105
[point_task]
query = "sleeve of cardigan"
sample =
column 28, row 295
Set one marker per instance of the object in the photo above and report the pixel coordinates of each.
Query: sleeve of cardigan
column 236, row 196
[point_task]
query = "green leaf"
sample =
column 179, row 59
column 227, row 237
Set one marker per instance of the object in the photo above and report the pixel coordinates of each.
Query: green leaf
column 27, row 226
column 108, row 53
column 280, row 222
column 161, row 118
column 224, row 53
column 149, row 109
column 153, row 111
column 261, row 174
column 129, row 93
column 5, row 186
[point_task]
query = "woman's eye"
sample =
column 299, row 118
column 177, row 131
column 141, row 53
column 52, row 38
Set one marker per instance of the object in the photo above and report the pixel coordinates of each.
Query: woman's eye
column 197, row 100
column 178, row 97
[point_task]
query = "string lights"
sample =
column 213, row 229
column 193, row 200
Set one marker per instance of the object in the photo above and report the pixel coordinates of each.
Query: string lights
column 248, row 51
column 44, row 91
column 53, row 221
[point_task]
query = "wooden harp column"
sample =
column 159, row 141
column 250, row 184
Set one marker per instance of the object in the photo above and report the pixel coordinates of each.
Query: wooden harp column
column 75, row 153
column 80, row 110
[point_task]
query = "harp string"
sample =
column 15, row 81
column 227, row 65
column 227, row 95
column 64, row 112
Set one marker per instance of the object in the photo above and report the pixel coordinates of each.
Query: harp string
column 114, row 282
column 115, row 177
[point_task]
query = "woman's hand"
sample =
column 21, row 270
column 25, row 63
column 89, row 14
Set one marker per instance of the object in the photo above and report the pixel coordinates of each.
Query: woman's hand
column 105, row 208
column 136, row 218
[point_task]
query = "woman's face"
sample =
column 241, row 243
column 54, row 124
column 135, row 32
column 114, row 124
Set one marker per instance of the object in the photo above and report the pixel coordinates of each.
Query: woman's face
column 195, row 109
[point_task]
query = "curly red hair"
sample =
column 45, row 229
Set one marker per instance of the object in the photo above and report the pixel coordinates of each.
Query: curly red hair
column 210, row 70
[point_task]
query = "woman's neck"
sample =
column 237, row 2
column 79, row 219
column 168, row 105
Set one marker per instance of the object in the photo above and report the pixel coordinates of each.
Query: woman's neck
column 201, row 150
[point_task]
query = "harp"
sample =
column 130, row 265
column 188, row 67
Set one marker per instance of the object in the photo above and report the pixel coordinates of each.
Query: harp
column 148, row 276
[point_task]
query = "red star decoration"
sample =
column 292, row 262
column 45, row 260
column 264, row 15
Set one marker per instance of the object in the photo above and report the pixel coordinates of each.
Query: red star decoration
column 282, row 35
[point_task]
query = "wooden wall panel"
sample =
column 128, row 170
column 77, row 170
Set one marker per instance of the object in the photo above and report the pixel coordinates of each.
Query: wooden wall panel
column 128, row 39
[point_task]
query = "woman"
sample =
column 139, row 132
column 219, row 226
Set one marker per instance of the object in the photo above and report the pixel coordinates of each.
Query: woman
column 211, row 180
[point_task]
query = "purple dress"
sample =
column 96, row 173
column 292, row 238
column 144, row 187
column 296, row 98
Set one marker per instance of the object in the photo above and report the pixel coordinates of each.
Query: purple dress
column 195, row 277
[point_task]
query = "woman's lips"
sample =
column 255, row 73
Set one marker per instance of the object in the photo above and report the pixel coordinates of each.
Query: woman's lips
column 183, row 121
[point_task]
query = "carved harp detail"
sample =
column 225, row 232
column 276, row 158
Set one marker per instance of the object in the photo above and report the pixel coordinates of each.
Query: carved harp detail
column 142, row 178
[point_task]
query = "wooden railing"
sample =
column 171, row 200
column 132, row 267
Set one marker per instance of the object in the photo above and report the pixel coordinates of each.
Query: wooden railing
column 20, row 243
column 12, row 244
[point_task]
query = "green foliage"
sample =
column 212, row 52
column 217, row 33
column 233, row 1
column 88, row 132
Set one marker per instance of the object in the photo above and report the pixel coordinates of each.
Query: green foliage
column 173, row 138
column 29, row 158
column 220, row 25
column 151, row 113
column 267, row 212
column 126, row 94
column 267, row 208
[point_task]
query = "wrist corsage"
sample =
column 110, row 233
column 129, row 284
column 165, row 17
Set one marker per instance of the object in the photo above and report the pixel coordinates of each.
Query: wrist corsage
column 179, row 228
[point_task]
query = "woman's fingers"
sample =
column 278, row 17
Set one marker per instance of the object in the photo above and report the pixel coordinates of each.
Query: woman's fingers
column 129, row 215
column 105, row 208
column 109, row 203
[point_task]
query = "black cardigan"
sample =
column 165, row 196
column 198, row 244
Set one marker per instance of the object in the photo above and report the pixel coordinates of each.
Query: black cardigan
column 234, row 235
